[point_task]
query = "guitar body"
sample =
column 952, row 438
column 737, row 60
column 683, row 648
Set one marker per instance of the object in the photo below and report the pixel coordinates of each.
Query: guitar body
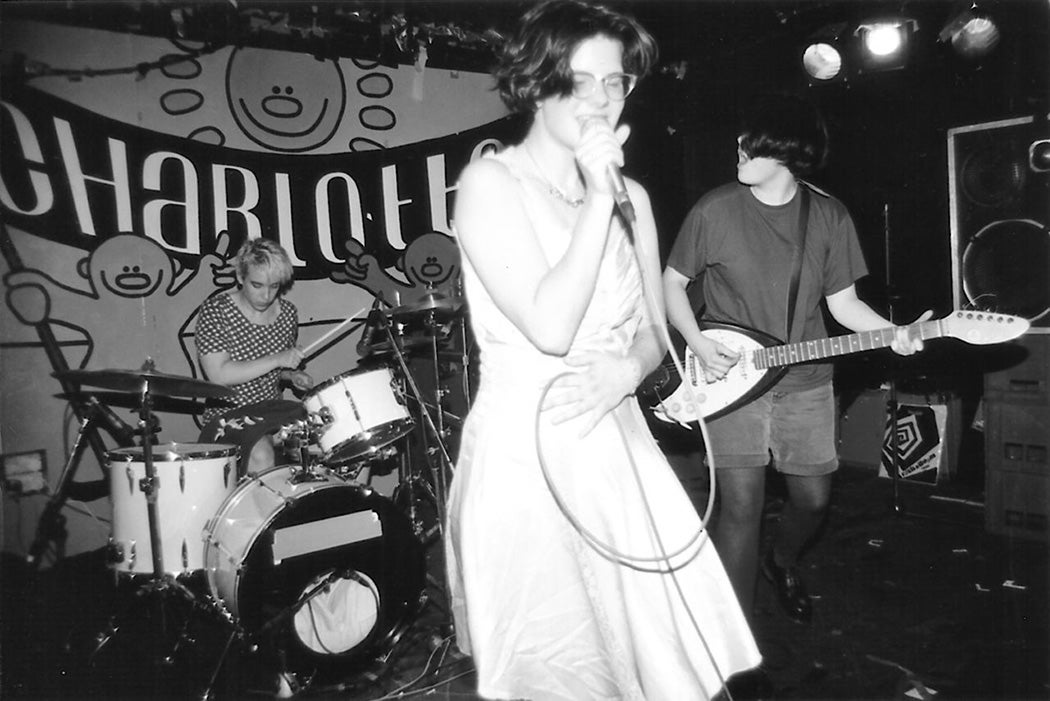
column 672, row 398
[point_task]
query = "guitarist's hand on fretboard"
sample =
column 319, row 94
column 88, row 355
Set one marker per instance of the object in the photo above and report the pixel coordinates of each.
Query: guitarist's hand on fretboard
column 907, row 343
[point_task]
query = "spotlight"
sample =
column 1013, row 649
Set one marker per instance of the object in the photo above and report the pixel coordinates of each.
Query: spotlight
column 823, row 56
column 884, row 44
column 822, row 61
column 972, row 33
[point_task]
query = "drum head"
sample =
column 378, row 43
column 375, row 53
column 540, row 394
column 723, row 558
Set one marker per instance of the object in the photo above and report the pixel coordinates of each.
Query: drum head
column 331, row 581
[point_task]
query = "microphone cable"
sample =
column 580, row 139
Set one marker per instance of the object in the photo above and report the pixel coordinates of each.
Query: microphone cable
column 661, row 563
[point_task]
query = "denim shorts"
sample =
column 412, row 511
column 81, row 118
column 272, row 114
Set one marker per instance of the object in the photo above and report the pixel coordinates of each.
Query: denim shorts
column 797, row 428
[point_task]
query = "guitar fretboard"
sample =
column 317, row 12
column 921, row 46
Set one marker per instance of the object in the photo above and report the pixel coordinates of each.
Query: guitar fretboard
column 805, row 351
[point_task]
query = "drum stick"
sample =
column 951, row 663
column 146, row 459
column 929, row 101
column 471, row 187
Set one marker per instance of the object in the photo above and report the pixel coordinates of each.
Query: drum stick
column 334, row 330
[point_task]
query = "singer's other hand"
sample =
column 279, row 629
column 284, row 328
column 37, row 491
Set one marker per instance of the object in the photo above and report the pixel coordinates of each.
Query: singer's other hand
column 599, row 384
column 599, row 147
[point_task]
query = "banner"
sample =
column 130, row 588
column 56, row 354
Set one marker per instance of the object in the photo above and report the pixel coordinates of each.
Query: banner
column 74, row 177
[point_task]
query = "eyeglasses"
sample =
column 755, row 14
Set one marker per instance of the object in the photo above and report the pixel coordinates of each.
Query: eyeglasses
column 617, row 86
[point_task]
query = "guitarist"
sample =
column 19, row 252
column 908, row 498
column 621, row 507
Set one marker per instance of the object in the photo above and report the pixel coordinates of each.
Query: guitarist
column 741, row 240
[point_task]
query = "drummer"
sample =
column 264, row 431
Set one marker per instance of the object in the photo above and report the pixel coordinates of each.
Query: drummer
column 246, row 340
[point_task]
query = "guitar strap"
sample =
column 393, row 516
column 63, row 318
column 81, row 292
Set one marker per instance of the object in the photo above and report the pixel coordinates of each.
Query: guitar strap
column 796, row 260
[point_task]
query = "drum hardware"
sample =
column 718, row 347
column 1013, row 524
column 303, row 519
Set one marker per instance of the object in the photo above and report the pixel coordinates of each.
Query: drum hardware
column 145, row 382
column 127, row 488
column 438, row 474
column 414, row 487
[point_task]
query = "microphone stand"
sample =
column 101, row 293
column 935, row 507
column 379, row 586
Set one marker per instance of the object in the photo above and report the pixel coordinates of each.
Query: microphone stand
column 892, row 404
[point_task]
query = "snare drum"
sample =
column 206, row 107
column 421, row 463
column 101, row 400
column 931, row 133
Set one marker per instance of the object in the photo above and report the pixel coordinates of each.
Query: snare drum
column 357, row 413
column 327, row 572
column 192, row 481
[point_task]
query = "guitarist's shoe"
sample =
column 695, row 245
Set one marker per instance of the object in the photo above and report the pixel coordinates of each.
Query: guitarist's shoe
column 791, row 591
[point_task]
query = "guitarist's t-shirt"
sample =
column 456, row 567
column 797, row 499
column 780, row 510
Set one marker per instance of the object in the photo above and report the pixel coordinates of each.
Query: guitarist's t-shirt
column 742, row 249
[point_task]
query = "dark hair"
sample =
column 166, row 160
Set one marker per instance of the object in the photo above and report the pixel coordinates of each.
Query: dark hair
column 788, row 129
column 534, row 63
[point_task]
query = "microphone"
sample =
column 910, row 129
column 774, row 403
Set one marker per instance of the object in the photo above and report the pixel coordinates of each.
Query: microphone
column 376, row 320
column 623, row 200
column 117, row 427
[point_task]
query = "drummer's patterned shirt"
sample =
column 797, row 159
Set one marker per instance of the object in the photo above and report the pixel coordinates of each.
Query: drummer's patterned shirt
column 221, row 326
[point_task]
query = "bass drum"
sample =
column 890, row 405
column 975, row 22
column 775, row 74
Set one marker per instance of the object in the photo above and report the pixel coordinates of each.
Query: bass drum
column 323, row 573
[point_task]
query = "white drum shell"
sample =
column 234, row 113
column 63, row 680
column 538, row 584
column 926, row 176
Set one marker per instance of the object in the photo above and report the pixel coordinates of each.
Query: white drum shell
column 359, row 411
column 192, row 481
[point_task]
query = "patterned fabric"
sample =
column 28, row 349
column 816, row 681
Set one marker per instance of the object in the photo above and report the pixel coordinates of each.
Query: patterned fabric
column 221, row 326
column 245, row 425
column 543, row 612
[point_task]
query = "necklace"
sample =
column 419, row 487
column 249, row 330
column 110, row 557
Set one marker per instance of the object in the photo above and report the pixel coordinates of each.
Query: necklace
column 551, row 187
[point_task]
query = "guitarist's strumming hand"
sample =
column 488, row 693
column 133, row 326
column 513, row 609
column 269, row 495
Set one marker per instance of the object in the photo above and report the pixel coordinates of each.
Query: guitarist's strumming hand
column 716, row 359
column 904, row 343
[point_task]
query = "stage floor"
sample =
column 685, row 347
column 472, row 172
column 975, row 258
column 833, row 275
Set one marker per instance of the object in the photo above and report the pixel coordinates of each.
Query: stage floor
column 920, row 596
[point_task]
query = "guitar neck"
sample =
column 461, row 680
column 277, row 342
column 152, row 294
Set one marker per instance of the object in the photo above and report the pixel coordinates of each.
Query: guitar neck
column 805, row 351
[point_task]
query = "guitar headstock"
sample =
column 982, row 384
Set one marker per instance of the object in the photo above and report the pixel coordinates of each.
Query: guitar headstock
column 983, row 328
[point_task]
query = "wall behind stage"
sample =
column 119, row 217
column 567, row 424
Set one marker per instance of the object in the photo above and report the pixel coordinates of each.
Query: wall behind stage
column 123, row 194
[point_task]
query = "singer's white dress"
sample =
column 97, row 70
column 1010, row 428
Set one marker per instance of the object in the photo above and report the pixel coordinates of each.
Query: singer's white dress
column 543, row 614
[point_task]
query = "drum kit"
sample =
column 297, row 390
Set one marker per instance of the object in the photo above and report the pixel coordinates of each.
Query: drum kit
column 303, row 562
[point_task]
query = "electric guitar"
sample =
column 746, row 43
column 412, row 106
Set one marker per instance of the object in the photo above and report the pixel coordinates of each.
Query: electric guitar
column 764, row 359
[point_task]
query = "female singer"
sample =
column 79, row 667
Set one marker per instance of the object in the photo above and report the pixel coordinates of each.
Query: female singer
column 578, row 568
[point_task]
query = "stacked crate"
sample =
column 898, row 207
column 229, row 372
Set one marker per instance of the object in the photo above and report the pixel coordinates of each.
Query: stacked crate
column 1017, row 433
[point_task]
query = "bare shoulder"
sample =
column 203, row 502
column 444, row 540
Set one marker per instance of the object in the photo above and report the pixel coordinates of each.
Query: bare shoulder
column 485, row 174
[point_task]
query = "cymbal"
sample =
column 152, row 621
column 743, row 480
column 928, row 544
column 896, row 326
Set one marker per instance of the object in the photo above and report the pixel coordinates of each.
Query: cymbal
column 429, row 302
column 132, row 381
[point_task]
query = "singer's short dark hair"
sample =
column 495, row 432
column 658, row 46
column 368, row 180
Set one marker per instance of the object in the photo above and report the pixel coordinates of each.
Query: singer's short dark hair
column 788, row 129
column 534, row 63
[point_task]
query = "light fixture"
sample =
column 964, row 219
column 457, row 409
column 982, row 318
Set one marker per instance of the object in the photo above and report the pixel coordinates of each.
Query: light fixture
column 884, row 43
column 822, row 61
column 823, row 56
column 973, row 34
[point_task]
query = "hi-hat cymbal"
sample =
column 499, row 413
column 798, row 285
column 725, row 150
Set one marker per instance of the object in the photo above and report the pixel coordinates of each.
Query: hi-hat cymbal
column 429, row 302
column 134, row 381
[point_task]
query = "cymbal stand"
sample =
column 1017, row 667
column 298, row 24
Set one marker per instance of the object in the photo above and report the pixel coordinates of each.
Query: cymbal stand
column 431, row 324
column 159, row 582
column 427, row 419
column 148, row 484
column 464, row 348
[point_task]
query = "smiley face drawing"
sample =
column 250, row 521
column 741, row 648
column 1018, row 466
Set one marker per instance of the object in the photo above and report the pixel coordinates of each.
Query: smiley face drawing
column 284, row 101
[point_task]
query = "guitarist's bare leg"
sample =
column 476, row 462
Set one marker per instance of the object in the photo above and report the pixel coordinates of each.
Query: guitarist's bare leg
column 807, row 504
column 735, row 532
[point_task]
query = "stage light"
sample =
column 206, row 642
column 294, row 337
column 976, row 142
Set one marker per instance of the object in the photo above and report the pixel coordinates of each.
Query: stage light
column 822, row 61
column 973, row 34
column 823, row 56
column 884, row 44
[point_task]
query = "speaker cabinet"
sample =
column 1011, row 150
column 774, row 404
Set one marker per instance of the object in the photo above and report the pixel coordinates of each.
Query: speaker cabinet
column 999, row 196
